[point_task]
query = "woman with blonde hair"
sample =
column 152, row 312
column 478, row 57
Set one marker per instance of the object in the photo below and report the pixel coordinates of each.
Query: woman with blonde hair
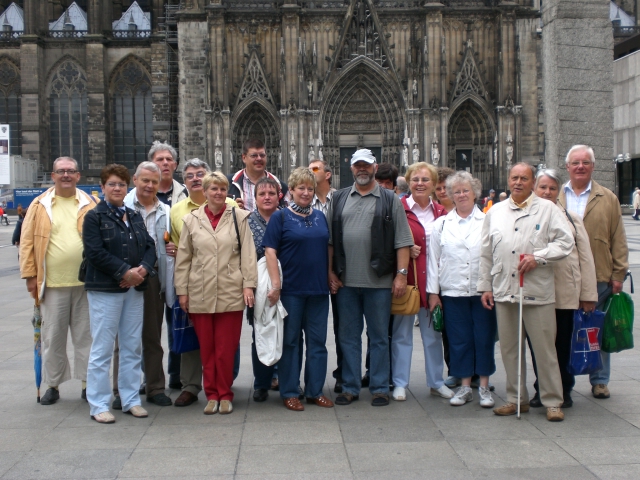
column 215, row 275
column 421, row 213
column 298, row 237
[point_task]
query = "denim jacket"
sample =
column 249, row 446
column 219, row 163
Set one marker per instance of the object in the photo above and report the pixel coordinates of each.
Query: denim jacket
column 111, row 248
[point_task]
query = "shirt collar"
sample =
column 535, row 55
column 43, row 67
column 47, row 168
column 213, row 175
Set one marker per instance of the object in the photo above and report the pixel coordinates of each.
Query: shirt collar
column 317, row 200
column 375, row 192
column 524, row 204
column 568, row 188
column 412, row 203
column 190, row 201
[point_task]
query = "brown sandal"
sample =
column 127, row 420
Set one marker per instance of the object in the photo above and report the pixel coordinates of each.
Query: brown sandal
column 294, row 404
column 321, row 401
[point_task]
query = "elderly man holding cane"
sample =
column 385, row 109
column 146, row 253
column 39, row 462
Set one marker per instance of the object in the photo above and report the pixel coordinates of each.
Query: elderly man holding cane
column 528, row 225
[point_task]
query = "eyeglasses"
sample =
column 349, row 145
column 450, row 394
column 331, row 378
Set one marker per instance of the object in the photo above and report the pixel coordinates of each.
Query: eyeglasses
column 116, row 184
column 258, row 155
column 461, row 192
column 315, row 169
column 191, row 176
column 68, row 171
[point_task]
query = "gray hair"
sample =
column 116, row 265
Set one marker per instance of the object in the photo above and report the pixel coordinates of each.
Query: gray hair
column 159, row 147
column 532, row 169
column 580, row 148
column 402, row 185
column 195, row 163
column 550, row 173
column 68, row 159
column 463, row 177
column 152, row 167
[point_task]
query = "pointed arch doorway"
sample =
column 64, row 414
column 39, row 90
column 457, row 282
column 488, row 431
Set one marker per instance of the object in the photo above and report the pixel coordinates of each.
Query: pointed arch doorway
column 363, row 110
column 471, row 138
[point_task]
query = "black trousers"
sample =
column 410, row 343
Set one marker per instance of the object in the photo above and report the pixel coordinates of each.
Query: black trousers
column 564, row 325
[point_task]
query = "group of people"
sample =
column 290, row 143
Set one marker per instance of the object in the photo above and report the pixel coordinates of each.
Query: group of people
column 351, row 250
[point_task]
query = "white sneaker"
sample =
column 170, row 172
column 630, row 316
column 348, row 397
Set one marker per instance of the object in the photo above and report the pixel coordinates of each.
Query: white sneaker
column 443, row 391
column 462, row 396
column 399, row 394
column 486, row 400
column 416, row 322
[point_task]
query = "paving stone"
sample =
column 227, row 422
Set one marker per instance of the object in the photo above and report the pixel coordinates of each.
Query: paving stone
column 402, row 456
column 549, row 473
column 616, row 472
column 193, row 436
column 163, row 462
column 602, row 450
column 378, row 430
column 328, row 459
column 291, row 433
column 80, row 464
column 470, row 429
column 533, row 453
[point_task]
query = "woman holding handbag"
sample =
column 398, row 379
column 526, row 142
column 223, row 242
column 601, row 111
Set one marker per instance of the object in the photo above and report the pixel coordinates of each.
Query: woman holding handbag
column 452, row 273
column 421, row 214
column 214, row 278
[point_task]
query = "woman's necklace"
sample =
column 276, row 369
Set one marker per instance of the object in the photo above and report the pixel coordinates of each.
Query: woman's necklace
column 301, row 210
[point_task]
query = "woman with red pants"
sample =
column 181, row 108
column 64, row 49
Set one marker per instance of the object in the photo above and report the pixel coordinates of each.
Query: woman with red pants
column 215, row 275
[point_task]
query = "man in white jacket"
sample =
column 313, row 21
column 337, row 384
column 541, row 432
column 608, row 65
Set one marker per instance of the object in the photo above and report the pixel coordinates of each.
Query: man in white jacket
column 525, row 224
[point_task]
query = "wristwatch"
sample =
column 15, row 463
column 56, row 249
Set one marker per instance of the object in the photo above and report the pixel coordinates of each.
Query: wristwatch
column 403, row 271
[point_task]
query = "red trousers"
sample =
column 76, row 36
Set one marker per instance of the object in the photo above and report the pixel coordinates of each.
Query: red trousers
column 219, row 336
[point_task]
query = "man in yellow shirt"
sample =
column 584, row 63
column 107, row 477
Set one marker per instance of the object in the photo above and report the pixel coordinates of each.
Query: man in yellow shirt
column 50, row 256
column 193, row 171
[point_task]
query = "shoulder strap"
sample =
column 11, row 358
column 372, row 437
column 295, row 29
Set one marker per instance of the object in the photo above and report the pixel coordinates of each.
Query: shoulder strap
column 572, row 223
column 235, row 223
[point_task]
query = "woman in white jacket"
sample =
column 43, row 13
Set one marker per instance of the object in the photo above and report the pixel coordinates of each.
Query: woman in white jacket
column 452, row 275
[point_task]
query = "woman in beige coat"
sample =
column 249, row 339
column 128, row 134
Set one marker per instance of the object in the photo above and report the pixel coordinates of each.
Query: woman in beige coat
column 215, row 275
column 575, row 281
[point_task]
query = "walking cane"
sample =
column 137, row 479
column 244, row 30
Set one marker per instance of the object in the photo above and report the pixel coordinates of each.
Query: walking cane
column 520, row 337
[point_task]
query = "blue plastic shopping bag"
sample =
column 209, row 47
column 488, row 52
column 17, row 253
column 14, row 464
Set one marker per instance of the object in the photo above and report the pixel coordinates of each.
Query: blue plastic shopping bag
column 586, row 342
column 184, row 335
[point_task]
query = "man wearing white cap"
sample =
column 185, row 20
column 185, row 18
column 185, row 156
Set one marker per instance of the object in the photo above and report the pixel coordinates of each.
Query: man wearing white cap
column 369, row 255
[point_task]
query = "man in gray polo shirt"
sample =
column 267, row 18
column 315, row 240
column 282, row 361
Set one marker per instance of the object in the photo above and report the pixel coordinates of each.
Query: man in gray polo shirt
column 368, row 255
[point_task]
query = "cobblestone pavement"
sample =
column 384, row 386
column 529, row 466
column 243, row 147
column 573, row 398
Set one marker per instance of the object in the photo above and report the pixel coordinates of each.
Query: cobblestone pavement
column 423, row 437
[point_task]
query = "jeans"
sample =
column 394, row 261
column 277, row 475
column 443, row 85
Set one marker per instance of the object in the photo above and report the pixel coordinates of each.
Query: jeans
column 308, row 314
column 337, row 373
column 375, row 305
column 602, row 376
column 402, row 348
column 114, row 314
column 472, row 332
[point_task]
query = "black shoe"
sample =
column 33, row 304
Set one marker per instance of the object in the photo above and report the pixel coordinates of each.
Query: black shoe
column 391, row 386
column 260, row 395
column 535, row 401
column 160, row 399
column 346, row 399
column 380, row 400
column 338, row 387
column 143, row 389
column 300, row 393
column 83, row 394
column 568, row 401
column 117, row 403
column 50, row 397
column 175, row 386
column 365, row 381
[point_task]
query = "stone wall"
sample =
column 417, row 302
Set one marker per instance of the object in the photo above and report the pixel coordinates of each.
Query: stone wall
column 626, row 105
column 578, row 82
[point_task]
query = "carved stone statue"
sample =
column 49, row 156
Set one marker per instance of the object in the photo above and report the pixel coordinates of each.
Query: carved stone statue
column 416, row 154
column 312, row 155
column 218, row 159
column 435, row 154
column 294, row 156
column 405, row 156
column 414, row 88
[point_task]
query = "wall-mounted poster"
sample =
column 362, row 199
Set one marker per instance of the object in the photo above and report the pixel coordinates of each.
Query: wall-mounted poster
column 5, row 160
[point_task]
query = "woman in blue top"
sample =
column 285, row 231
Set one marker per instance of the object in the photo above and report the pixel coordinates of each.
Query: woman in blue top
column 298, row 236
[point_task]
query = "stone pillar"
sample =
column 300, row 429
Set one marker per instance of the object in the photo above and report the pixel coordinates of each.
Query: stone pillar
column 577, row 55
column 97, row 106
column 33, row 98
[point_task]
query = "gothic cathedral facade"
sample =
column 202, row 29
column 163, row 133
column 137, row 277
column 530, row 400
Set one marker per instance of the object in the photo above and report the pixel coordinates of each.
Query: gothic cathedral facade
column 453, row 82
